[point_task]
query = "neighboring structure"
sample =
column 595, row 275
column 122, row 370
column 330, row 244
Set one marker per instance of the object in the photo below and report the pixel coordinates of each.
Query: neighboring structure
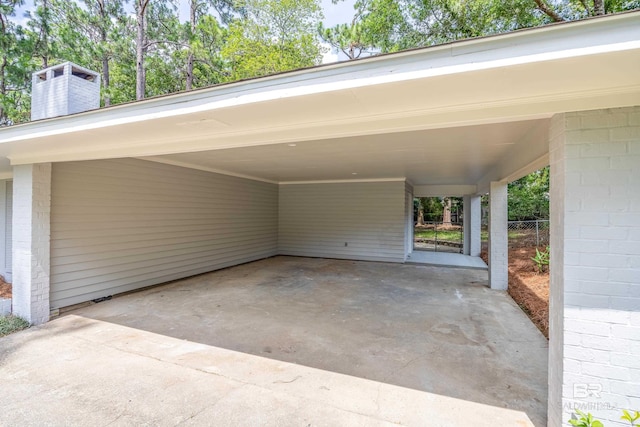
column 139, row 194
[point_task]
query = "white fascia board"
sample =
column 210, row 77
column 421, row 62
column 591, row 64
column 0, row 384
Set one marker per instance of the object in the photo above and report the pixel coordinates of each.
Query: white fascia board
column 590, row 37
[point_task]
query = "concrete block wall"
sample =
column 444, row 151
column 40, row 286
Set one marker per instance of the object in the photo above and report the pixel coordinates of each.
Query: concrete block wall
column 31, row 241
column 5, row 306
column 556, row 270
column 498, row 237
column 472, row 225
column 595, row 264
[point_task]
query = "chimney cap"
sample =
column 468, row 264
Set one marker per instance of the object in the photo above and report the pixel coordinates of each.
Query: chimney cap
column 77, row 70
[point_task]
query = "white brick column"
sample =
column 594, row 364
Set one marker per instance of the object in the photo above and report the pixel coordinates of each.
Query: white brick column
column 31, row 233
column 498, row 241
column 471, row 224
column 594, row 346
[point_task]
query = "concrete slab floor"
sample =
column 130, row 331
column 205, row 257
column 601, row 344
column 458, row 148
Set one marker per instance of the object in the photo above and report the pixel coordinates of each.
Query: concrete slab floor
column 446, row 259
column 287, row 341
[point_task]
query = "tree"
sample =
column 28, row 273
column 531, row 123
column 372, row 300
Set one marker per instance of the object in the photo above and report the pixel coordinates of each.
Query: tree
column 376, row 26
column 91, row 35
column 205, row 37
column 141, row 7
column 428, row 22
column 529, row 196
column 570, row 10
column 15, row 66
column 446, row 211
column 40, row 23
column 204, row 32
column 273, row 36
column 429, row 209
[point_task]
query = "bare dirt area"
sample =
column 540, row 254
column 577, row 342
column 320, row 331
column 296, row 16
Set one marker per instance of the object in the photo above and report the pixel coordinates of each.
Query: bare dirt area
column 5, row 288
column 528, row 288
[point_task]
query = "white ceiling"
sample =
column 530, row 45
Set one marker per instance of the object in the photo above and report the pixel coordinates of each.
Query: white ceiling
column 458, row 156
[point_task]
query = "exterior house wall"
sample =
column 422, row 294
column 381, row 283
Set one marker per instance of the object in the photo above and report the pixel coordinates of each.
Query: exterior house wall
column 119, row 225
column 595, row 264
column 361, row 220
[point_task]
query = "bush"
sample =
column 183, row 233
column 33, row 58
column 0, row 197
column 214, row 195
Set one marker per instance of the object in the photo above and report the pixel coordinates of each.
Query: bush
column 541, row 260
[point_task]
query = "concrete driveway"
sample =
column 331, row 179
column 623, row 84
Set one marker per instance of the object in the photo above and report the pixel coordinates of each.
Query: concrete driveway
column 285, row 341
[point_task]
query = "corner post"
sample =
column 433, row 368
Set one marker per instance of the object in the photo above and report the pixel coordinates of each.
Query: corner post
column 498, row 237
column 31, row 241
column 471, row 225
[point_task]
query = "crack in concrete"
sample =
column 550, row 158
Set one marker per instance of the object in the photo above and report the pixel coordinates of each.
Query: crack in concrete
column 287, row 382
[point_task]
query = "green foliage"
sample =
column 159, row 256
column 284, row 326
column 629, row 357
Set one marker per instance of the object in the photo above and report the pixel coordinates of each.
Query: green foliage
column 376, row 27
column 432, row 208
column 206, row 44
column 529, row 196
column 15, row 65
column 541, row 260
column 10, row 324
column 631, row 417
column 401, row 24
column 585, row 420
column 273, row 36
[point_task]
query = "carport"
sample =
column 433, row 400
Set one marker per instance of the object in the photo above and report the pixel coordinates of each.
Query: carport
column 130, row 196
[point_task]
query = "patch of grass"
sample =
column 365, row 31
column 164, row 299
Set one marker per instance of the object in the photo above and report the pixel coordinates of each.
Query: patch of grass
column 10, row 324
column 450, row 235
column 454, row 235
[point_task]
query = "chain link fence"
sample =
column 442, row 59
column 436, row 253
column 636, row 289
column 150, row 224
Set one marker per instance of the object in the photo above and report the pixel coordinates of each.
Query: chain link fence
column 528, row 233
column 440, row 237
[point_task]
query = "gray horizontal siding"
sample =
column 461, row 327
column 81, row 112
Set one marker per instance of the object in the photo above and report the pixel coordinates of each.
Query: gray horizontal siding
column 317, row 220
column 118, row 225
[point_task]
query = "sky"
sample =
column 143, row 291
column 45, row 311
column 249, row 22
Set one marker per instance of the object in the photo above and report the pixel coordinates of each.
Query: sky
column 333, row 14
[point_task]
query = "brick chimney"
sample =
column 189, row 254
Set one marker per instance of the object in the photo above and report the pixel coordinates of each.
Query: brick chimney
column 64, row 89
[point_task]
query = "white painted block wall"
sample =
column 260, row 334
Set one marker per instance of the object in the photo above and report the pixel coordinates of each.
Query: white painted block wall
column 498, row 237
column 472, row 225
column 595, row 264
column 4, row 237
column 31, row 233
